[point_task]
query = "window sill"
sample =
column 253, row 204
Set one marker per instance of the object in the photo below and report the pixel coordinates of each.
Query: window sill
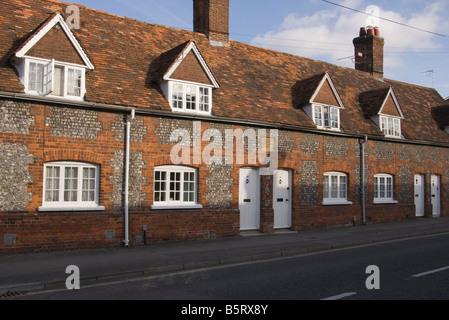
column 329, row 129
column 70, row 209
column 55, row 98
column 394, row 137
column 175, row 207
column 336, row 203
column 195, row 112
column 385, row 202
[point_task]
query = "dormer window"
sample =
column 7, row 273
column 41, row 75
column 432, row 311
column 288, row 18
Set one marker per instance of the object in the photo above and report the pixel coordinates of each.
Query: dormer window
column 49, row 71
column 327, row 117
column 190, row 97
column 188, row 83
column 383, row 108
column 54, row 79
column 390, row 126
column 320, row 100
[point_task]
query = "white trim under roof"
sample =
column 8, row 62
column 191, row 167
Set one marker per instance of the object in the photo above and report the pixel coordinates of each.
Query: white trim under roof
column 35, row 39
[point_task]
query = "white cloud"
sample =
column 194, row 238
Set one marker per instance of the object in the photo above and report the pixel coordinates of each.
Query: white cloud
column 327, row 34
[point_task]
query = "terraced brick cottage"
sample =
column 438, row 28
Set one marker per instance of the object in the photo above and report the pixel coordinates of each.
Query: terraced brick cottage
column 103, row 125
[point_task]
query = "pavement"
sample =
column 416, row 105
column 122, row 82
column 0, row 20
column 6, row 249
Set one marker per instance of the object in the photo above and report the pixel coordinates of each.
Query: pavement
column 44, row 271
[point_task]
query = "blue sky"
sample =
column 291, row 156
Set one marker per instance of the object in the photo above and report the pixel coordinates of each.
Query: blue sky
column 322, row 31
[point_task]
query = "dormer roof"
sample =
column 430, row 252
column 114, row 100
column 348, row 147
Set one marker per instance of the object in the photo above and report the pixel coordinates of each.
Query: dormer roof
column 380, row 102
column 317, row 89
column 67, row 40
column 187, row 64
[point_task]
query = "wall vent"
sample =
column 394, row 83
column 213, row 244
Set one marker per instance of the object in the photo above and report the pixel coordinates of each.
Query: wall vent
column 110, row 234
column 9, row 239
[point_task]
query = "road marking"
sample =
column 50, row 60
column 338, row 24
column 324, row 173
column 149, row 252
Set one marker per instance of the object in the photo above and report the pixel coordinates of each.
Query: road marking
column 430, row 272
column 284, row 256
column 341, row 296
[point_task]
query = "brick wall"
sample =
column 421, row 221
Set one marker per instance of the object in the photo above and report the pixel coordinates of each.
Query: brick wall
column 211, row 17
column 32, row 134
column 372, row 55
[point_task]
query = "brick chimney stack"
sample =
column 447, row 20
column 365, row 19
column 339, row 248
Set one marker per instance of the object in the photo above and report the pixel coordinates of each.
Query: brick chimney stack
column 211, row 17
column 369, row 51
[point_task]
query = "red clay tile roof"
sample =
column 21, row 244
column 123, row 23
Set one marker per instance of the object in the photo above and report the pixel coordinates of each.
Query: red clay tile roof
column 255, row 84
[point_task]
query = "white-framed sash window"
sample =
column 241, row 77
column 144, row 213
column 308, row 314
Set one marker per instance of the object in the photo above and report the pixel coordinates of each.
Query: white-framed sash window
column 54, row 79
column 390, row 126
column 384, row 188
column 335, row 188
column 175, row 187
column 71, row 186
column 326, row 117
column 190, row 97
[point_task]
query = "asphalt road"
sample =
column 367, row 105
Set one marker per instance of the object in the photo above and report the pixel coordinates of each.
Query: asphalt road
column 412, row 269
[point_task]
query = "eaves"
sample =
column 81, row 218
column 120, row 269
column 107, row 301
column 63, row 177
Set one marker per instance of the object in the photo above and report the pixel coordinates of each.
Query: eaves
column 194, row 117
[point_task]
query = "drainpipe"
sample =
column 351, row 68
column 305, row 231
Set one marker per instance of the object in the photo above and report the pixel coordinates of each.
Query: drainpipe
column 126, row 187
column 362, row 173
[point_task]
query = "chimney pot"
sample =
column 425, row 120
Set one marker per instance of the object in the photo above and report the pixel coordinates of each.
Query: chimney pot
column 377, row 31
column 362, row 31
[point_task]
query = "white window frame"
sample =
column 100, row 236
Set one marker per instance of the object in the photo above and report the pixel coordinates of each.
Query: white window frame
column 164, row 184
column 61, row 185
column 198, row 93
column 320, row 115
column 390, row 126
column 335, row 191
column 48, row 78
column 384, row 189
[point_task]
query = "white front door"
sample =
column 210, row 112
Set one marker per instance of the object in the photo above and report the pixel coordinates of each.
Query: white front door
column 419, row 195
column 282, row 199
column 436, row 195
column 249, row 199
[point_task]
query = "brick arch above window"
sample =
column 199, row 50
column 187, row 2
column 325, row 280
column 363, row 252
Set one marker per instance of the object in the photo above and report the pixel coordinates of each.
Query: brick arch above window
column 163, row 160
column 73, row 155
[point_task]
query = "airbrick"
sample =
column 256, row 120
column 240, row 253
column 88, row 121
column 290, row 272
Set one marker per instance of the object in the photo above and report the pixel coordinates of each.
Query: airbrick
column 110, row 234
column 9, row 239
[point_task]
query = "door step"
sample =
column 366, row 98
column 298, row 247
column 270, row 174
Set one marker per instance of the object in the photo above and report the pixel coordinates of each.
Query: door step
column 284, row 231
column 251, row 233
